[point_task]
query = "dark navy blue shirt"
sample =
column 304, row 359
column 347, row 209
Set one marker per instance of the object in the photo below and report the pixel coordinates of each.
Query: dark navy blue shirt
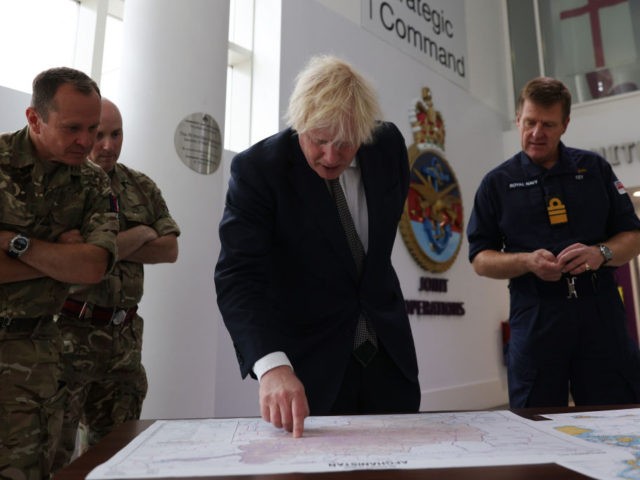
column 522, row 207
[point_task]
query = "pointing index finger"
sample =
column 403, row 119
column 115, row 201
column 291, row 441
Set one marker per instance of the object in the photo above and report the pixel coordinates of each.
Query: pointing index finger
column 300, row 410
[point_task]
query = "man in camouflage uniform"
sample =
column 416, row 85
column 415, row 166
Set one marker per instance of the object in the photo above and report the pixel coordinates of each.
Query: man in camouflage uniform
column 56, row 228
column 101, row 330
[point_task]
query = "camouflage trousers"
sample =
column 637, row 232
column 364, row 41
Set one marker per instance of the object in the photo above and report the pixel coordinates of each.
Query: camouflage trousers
column 31, row 401
column 106, row 382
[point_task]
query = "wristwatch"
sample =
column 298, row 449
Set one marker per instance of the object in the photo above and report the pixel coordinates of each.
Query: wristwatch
column 606, row 253
column 17, row 246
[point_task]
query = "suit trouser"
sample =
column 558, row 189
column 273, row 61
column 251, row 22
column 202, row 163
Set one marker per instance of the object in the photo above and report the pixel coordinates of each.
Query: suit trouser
column 378, row 388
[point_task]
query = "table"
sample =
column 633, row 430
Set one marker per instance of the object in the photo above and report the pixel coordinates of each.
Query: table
column 122, row 435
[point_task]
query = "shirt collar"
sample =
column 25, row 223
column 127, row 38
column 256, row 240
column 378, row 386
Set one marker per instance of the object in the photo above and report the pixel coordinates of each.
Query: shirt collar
column 564, row 164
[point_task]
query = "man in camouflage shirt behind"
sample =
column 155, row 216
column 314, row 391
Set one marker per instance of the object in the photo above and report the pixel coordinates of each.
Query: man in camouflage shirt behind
column 56, row 229
column 101, row 329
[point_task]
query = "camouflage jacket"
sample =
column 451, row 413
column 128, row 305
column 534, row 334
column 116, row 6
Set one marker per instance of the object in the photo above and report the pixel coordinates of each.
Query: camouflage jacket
column 140, row 203
column 43, row 199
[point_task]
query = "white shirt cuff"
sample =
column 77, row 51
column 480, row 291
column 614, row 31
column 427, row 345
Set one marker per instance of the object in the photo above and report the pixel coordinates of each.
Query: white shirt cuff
column 269, row 361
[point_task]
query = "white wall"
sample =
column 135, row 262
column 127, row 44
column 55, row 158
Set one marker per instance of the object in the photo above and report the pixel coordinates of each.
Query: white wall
column 14, row 105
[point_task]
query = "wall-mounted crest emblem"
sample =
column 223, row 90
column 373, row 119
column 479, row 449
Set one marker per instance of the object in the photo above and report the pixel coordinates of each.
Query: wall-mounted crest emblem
column 432, row 222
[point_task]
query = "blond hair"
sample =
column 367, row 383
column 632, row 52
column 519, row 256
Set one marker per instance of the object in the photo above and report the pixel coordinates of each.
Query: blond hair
column 330, row 94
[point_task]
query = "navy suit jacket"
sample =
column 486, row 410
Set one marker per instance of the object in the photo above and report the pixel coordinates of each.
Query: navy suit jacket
column 286, row 279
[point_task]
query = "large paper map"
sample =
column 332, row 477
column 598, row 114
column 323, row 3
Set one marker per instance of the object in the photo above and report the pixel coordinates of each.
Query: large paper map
column 619, row 429
column 182, row 448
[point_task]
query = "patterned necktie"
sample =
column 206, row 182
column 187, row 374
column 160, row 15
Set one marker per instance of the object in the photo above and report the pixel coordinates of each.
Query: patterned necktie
column 365, row 342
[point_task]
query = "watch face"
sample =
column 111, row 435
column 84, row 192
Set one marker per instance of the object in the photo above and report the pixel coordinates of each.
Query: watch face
column 606, row 252
column 20, row 243
column 17, row 246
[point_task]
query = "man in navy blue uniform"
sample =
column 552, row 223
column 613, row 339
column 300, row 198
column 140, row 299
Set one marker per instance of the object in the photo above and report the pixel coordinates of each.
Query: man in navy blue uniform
column 556, row 222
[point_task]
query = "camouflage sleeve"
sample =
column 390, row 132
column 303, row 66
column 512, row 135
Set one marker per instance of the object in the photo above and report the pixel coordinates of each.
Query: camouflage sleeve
column 100, row 222
column 163, row 223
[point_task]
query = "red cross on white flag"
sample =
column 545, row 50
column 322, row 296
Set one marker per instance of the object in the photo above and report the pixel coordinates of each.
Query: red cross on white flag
column 592, row 10
column 592, row 38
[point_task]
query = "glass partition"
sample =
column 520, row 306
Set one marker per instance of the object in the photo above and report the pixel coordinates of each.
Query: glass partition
column 593, row 46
